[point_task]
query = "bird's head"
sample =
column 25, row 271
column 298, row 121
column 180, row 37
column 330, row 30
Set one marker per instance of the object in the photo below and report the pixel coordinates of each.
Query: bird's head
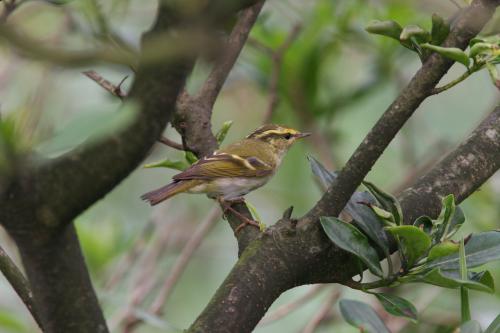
column 279, row 137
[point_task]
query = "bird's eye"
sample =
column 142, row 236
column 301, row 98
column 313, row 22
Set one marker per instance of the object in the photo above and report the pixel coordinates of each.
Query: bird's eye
column 288, row 136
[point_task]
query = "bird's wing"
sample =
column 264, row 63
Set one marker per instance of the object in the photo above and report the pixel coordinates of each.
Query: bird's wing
column 221, row 165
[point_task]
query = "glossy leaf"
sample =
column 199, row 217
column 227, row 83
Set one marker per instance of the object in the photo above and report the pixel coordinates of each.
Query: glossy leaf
column 167, row 163
column 221, row 134
column 397, row 306
column 452, row 53
column 415, row 242
column 363, row 217
column 414, row 31
column 456, row 222
column 480, row 48
column 440, row 29
column 387, row 28
column 424, row 223
column 481, row 248
column 350, row 239
column 190, row 157
column 387, row 201
column 324, row 176
column 494, row 326
column 451, row 279
column 366, row 220
column 444, row 219
column 362, row 316
column 442, row 249
column 470, row 326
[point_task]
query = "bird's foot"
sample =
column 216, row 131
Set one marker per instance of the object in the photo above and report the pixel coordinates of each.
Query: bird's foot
column 226, row 206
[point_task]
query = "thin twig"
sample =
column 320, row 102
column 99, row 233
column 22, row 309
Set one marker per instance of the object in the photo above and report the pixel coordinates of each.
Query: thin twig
column 170, row 143
column 325, row 309
column 17, row 280
column 115, row 90
column 235, row 42
column 288, row 308
column 453, row 83
column 180, row 265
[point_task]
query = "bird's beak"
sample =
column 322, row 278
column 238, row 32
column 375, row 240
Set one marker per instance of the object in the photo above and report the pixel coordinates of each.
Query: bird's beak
column 301, row 135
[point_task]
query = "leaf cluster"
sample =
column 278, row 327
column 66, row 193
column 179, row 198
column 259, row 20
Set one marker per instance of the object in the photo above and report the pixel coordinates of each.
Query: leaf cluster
column 428, row 254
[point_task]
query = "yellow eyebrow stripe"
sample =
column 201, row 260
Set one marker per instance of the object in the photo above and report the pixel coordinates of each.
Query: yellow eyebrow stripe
column 277, row 132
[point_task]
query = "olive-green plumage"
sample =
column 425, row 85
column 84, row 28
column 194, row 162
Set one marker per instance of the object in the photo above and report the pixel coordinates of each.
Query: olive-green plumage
column 233, row 171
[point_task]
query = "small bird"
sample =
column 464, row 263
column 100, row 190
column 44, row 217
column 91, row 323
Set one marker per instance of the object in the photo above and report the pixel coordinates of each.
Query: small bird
column 232, row 172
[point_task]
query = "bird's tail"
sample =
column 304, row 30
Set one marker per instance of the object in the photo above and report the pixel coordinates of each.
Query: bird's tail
column 163, row 193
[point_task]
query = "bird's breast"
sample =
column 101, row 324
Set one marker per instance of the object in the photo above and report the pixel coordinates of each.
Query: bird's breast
column 230, row 188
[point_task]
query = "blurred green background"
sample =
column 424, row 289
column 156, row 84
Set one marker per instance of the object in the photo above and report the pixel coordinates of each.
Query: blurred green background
column 335, row 80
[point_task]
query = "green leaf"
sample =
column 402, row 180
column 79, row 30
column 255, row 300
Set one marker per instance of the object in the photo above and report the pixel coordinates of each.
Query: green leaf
column 362, row 316
column 480, row 48
column 363, row 217
column 494, row 326
column 481, row 248
column 387, row 201
column 387, row 28
column 397, row 306
column 424, row 223
column 440, row 30
column 414, row 31
column 324, row 176
column 366, row 220
column 415, row 242
column 470, row 326
column 190, row 157
column 452, row 280
column 88, row 127
column 167, row 163
column 383, row 214
column 350, row 239
column 445, row 217
column 456, row 222
column 442, row 249
column 221, row 134
column 452, row 53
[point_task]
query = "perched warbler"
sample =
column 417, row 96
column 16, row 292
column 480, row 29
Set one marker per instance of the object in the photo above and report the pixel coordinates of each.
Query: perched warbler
column 231, row 172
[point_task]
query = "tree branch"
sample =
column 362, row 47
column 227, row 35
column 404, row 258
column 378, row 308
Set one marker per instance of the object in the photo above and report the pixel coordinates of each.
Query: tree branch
column 290, row 254
column 468, row 25
column 19, row 283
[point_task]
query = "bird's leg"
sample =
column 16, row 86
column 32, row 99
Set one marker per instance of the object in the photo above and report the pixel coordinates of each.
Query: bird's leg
column 226, row 206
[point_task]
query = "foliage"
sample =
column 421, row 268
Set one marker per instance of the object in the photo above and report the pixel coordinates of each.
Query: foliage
column 484, row 50
column 427, row 251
